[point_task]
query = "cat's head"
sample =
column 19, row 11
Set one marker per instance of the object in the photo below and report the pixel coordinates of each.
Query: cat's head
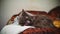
column 25, row 18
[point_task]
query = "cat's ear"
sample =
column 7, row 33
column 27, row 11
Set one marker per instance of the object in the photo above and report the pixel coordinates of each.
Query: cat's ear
column 23, row 11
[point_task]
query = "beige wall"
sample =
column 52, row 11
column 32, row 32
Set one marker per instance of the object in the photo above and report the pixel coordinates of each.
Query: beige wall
column 11, row 7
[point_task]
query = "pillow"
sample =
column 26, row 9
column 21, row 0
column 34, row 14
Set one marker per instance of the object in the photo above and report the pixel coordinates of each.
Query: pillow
column 55, row 13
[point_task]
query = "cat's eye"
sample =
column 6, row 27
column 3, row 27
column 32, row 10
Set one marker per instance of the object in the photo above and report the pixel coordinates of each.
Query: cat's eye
column 42, row 19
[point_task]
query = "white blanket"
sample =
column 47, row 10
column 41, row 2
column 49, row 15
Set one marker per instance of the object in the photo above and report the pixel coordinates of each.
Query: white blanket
column 14, row 29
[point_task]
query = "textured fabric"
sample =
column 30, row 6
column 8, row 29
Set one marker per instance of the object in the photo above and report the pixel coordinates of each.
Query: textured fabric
column 41, row 31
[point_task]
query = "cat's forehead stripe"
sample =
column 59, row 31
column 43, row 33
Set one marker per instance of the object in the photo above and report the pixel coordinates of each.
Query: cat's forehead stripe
column 30, row 14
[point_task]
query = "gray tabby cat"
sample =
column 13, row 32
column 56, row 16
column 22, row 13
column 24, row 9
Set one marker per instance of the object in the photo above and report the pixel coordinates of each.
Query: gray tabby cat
column 41, row 21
